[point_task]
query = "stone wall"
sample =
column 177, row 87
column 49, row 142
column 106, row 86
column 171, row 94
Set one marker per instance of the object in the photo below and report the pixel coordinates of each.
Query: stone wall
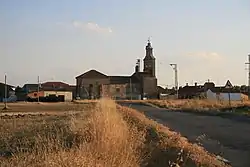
column 150, row 87
column 89, row 87
column 121, row 91
column 116, row 91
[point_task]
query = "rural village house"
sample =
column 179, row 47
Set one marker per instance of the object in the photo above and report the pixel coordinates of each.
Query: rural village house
column 212, row 92
column 10, row 91
column 63, row 91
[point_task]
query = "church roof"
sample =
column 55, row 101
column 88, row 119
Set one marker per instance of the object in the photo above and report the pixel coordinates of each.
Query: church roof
column 92, row 74
column 113, row 79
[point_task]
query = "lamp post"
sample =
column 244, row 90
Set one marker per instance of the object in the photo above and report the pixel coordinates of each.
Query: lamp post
column 38, row 88
column 248, row 63
column 176, row 78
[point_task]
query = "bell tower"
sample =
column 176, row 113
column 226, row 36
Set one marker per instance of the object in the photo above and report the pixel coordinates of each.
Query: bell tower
column 149, row 60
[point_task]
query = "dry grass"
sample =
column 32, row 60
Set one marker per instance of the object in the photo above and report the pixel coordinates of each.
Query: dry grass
column 168, row 148
column 197, row 105
column 46, row 107
column 99, row 137
column 106, row 135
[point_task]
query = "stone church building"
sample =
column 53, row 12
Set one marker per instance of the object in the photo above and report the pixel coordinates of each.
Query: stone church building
column 94, row 84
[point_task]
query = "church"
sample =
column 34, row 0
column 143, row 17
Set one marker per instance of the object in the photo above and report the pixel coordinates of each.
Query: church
column 141, row 84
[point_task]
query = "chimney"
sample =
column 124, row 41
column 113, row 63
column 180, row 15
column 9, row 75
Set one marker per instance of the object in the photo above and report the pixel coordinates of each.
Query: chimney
column 186, row 84
column 195, row 84
column 137, row 68
column 138, row 63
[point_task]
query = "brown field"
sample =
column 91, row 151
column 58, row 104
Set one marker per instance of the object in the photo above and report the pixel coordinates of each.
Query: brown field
column 103, row 134
column 24, row 107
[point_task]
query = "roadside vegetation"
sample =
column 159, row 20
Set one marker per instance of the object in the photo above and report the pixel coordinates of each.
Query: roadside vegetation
column 103, row 135
column 195, row 105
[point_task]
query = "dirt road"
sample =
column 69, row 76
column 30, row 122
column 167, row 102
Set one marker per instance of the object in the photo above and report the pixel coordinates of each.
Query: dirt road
column 222, row 136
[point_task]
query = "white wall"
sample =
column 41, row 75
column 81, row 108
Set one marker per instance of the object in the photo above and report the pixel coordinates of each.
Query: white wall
column 223, row 96
column 67, row 95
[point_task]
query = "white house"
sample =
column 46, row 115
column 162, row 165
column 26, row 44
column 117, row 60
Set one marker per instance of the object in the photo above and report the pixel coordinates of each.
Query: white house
column 216, row 95
column 225, row 93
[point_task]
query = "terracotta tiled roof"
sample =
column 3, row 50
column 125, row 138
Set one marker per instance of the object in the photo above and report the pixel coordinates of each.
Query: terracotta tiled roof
column 56, row 89
column 55, row 84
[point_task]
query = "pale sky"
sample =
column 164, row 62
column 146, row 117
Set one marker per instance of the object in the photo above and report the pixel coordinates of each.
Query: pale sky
column 60, row 39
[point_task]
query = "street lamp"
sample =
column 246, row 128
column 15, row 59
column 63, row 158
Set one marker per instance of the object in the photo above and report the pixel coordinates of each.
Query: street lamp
column 248, row 63
column 176, row 78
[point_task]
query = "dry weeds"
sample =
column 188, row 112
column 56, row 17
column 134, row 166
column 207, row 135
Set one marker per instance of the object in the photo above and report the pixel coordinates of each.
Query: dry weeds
column 196, row 104
column 241, row 107
column 105, row 136
column 99, row 137
column 168, row 148
column 46, row 107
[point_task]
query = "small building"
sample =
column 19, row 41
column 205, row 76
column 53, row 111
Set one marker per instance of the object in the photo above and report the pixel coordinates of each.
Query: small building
column 194, row 91
column 46, row 94
column 27, row 88
column 10, row 92
column 166, row 93
column 51, row 91
column 225, row 95
column 211, row 92
column 63, row 95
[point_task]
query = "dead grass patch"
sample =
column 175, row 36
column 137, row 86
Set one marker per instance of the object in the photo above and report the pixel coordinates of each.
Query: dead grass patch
column 199, row 105
column 98, row 137
column 106, row 135
column 168, row 148
column 24, row 107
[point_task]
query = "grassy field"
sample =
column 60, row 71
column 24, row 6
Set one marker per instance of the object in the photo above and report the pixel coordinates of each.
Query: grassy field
column 103, row 134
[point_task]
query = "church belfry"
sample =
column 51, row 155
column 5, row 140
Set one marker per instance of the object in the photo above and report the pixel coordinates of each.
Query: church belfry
column 149, row 60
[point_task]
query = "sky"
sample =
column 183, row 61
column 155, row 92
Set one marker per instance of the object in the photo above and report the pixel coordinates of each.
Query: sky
column 58, row 40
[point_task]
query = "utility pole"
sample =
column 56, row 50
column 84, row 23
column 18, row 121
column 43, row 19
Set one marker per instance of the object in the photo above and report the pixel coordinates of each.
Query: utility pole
column 176, row 78
column 248, row 76
column 5, row 93
column 38, row 85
